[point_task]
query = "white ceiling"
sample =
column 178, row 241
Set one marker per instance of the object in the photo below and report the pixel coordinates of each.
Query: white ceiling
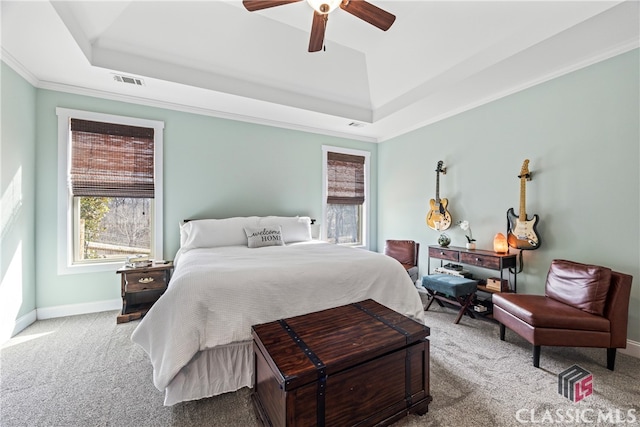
column 214, row 57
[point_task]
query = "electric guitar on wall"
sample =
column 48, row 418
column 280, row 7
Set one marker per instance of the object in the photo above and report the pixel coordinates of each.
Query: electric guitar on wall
column 522, row 233
column 438, row 217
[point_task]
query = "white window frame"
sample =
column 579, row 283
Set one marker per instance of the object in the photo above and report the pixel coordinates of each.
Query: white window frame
column 367, row 199
column 65, row 227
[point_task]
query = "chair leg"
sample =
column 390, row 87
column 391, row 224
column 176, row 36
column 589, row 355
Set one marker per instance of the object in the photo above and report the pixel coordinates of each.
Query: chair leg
column 431, row 298
column 536, row 356
column 465, row 303
column 463, row 308
column 611, row 358
column 502, row 330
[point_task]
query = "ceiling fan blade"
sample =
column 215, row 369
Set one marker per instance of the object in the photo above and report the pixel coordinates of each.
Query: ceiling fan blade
column 316, row 41
column 253, row 5
column 369, row 13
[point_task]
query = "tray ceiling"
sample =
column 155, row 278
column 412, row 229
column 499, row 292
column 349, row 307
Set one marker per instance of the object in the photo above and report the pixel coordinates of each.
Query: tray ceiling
column 214, row 57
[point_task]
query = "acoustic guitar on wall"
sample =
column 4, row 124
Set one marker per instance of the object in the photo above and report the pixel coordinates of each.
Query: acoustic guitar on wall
column 438, row 217
column 522, row 233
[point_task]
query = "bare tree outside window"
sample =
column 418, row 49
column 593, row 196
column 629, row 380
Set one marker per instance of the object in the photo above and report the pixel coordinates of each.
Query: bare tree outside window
column 343, row 223
column 113, row 227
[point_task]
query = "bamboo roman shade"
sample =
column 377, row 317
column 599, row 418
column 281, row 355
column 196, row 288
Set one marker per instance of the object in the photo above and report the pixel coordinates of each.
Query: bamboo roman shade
column 111, row 160
column 345, row 179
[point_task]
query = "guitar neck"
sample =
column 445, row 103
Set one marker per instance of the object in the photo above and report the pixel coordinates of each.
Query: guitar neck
column 438, row 187
column 523, row 185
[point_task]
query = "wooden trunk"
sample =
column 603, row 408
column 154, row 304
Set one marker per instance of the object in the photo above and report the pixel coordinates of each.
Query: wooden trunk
column 361, row 364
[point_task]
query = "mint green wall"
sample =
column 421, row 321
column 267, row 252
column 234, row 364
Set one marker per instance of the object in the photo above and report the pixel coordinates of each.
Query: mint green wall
column 581, row 134
column 580, row 131
column 17, row 154
column 212, row 168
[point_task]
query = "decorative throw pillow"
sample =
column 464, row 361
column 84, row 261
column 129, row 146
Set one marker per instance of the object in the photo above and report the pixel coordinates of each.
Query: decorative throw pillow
column 294, row 228
column 264, row 236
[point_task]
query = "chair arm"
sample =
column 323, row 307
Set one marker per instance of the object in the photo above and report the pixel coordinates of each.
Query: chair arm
column 617, row 308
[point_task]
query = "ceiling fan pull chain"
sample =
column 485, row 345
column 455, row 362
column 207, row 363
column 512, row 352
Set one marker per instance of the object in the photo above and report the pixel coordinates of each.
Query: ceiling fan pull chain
column 324, row 45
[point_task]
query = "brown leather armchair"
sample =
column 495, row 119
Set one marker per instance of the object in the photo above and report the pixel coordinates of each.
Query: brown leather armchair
column 406, row 252
column 583, row 306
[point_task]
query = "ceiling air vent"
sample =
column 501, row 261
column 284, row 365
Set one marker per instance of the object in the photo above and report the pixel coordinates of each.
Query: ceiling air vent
column 128, row 80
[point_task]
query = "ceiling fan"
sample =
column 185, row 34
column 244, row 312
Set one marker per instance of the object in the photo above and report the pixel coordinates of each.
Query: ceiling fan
column 321, row 9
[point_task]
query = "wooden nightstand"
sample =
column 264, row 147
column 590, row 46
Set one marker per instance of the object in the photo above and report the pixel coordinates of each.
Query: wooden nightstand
column 140, row 288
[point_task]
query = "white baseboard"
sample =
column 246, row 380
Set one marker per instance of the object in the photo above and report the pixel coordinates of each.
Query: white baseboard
column 24, row 321
column 19, row 324
column 74, row 309
column 633, row 349
column 60, row 311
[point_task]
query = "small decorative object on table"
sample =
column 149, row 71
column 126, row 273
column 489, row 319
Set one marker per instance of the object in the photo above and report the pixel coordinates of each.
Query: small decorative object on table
column 498, row 285
column 138, row 261
column 471, row 242
column 444, row 240
column 500, row 244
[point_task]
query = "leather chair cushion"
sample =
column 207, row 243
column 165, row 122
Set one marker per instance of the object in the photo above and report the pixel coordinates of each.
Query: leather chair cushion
column 582, row 286
column 402, row 250
column 542, row 312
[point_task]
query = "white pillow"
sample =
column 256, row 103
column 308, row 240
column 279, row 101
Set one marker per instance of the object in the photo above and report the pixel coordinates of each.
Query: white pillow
column 294, row 229
column 258, row 237
column 211, row 233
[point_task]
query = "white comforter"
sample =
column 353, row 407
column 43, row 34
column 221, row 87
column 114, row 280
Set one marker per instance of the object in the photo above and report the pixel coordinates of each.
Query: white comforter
column 216, row 294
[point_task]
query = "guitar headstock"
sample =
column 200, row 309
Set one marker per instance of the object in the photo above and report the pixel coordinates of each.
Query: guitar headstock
column 524, row 171
column 440, row 169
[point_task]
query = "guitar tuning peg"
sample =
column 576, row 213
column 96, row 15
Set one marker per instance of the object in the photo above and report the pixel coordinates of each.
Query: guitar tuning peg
column 526, row 176
column 443, row 171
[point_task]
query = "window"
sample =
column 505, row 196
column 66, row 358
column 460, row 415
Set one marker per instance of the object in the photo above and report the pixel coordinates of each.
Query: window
column 345, row 196
column 110, row 190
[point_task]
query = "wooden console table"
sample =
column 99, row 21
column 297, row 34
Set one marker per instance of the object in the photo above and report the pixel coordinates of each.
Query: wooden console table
column 475, row 257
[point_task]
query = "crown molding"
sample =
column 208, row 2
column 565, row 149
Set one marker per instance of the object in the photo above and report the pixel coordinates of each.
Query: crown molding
column 620, row 49
column 33, row 80
column 16, row 66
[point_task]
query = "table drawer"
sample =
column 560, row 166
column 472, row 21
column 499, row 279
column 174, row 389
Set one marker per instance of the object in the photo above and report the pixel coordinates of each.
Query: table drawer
column 444, row 253
column 486, row 261
column 145, row 280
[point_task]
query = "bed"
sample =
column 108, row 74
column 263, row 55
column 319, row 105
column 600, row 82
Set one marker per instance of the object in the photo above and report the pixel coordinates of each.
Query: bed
column 236, row 272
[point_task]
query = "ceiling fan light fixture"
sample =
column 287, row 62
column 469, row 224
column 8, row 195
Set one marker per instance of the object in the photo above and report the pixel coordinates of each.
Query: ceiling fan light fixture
column 324, row 6
column 361, row 9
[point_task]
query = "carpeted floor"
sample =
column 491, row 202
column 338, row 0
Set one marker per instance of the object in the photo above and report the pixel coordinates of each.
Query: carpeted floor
column 85, row 371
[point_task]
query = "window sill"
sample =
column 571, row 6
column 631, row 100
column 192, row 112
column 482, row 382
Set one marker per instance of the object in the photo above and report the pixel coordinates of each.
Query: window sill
column 110, row 266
